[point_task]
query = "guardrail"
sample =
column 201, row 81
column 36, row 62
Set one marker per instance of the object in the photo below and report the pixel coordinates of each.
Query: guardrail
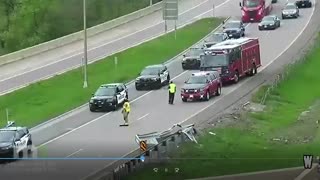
column 43, row 47
column 161, row 145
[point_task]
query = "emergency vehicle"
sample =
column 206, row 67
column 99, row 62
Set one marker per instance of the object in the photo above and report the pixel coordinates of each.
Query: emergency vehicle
column 233, row 58
column 15, row 141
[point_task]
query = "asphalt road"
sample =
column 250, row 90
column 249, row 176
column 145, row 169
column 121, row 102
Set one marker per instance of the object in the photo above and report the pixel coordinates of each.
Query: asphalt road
column 47, row 64
column 102, row 136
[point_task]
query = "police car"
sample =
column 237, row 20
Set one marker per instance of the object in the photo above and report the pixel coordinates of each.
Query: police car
column 14, row 141
column 108, row 97
column 154, row 76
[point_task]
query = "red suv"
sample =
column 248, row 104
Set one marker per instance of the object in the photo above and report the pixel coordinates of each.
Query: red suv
column 201, row 86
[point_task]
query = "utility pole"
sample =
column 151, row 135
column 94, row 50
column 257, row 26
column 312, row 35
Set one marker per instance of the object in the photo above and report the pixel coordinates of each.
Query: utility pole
column 85, row 55
column 7, row 114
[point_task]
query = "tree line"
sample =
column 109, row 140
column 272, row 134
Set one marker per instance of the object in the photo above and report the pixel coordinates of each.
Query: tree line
column 26, row 23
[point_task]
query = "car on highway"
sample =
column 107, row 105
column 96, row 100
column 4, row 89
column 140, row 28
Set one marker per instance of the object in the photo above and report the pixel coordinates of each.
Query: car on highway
column 214, row 39
column 153, row 76
column 234, row 29
column 15, row 141
column 191, row 60
column 290, row 10
column 201, row 86
column 269, row 22
column 304, row 3
column 108, row 97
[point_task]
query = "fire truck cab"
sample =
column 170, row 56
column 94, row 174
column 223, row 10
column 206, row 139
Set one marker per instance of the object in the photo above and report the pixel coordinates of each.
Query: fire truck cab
column 232, row 58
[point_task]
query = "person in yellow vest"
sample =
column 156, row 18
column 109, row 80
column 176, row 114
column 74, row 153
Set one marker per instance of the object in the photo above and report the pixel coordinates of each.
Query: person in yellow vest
column 172, row 91
column 126, row 111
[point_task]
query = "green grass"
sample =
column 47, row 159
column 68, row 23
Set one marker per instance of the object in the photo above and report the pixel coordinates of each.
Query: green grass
column 41, row 101
column 248, row 144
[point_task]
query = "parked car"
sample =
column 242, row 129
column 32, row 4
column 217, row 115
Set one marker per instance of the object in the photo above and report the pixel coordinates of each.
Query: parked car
column 191, row 60
column 201, row 86
column 234, row 29
column 269, row 22
column 153, row 76
column 108, row 97
column 214, row 39
column 15, row 141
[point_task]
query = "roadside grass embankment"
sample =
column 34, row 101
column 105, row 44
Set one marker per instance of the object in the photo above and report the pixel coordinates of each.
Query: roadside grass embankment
column 276, row 137
column 46, row 99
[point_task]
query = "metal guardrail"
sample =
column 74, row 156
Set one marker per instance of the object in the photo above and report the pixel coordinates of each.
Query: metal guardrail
column 160, row 145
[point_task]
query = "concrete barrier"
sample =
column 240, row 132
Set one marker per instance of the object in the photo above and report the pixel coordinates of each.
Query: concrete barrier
column 31, row 51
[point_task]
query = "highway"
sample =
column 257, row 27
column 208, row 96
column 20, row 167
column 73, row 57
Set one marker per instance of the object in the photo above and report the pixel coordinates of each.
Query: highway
column 86, row 134
column 32, row 69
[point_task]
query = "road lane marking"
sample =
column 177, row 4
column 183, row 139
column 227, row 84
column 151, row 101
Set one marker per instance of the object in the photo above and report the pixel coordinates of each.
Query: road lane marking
column 97, row 47
column 306, row 172
column 209, row 11
column 259, row 70
column 262, row 68
column 78, row 65
column 94, row 120
column 143, row 117
column 74, row 153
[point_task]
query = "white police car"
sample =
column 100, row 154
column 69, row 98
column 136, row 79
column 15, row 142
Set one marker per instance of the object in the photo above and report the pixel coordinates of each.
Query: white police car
column 14, row 141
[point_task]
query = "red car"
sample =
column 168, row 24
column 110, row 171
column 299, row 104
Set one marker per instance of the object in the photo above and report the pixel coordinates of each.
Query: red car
column 201, row 86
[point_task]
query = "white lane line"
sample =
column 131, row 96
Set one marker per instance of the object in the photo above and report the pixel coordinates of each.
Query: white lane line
column 74, row 153
column 260, row 69
column 109, row 42
column 199, row 16
column 94, row 120
column 306, row 172
column 143, row 117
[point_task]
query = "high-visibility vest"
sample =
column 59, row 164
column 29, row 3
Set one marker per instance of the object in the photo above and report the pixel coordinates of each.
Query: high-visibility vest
column 126, row 107
column 172, row 88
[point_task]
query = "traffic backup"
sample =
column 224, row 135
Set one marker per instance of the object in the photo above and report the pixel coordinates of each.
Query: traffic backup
column 15, row 142
column 153, row 76
column 233, row 58
column 201, row 86
column 108, row 97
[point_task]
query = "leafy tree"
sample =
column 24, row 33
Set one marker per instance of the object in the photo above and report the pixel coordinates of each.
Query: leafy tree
column 30, row 22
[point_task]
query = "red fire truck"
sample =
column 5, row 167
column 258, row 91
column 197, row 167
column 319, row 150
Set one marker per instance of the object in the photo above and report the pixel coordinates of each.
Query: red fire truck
column 232, row 58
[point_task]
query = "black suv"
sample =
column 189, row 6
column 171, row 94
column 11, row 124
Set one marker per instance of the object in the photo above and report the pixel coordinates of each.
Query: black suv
column 108, row 97
column 191, row 60
column 15, row 141
column 214, row 39
column 304, row 3
column 153, row 76
column 234, row 29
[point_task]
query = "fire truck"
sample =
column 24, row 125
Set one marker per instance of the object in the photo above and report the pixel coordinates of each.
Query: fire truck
column 232, row 58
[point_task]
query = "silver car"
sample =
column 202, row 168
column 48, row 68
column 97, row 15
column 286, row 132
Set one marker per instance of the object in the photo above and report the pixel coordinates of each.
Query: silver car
column 291, row 10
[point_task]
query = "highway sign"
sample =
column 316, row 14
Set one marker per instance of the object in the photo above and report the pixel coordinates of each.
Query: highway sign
column 143, row 146
column 170, row 9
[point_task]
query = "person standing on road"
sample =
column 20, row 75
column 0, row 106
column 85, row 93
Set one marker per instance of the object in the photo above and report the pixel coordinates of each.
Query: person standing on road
column 126, row 111
column 172, row 90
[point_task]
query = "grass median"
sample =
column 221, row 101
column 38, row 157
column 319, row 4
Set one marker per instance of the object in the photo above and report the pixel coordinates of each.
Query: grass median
column 276, row 137
column 41, row 101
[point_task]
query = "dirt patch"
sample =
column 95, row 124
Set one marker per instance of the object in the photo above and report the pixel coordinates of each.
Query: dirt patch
column 305, row 128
